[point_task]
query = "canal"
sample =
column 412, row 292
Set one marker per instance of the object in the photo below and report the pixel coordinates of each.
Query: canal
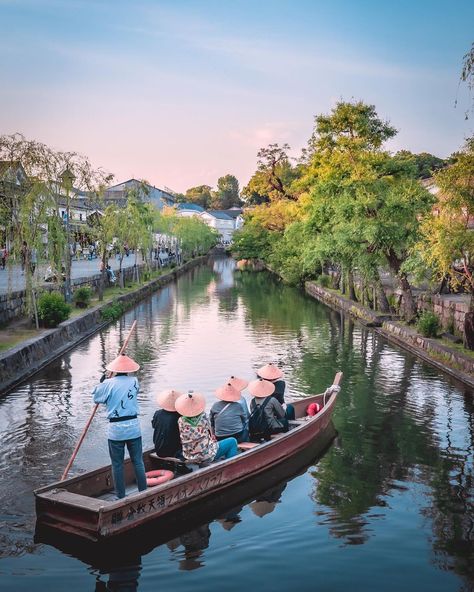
column 388, row 506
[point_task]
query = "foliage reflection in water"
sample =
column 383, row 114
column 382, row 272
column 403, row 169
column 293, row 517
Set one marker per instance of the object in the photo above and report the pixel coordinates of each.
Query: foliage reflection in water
column 389, row 506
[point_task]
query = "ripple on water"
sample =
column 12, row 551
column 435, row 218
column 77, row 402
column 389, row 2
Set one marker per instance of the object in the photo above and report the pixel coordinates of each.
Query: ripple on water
column 390, row 500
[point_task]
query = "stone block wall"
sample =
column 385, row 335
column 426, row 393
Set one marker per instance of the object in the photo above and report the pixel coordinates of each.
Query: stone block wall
column 13, row 305
column 450, row 310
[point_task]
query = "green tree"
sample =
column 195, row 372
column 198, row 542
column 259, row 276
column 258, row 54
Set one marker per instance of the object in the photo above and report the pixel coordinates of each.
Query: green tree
column 194, row 235
column 200, row 195
column 227, row 193
column 423, row 165
column 447, row 243
column 31, row 210
column 274, row 178
column 363, row 204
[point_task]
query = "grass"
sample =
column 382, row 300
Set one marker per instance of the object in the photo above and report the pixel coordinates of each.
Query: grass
column 11, row 337
column 459, row 347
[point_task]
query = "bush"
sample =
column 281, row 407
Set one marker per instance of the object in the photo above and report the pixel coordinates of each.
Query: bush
column 324, row 280
column 82, row 297
column 428, row 324
column 52, row 309
column 113, row 311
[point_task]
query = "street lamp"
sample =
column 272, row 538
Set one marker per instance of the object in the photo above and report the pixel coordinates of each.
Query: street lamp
column 67, row 178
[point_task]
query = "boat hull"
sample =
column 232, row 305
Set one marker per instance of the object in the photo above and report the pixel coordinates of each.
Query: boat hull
column 68, row 506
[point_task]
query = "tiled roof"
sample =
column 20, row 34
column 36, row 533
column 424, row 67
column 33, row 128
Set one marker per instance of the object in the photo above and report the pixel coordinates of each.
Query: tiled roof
column 190, row 206
column 233, row 212
column 220, row 214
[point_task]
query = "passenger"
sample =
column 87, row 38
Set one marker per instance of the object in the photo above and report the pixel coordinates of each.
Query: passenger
column 199, row 444
column 274, row 374
column 228, row 418
column 165, row 426
column 240, row 384
column 119, row 394
column 267, row 416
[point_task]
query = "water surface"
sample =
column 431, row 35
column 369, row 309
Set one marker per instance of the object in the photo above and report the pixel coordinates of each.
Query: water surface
column 388, row 506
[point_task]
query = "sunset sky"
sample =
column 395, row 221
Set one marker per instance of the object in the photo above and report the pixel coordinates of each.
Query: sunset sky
column 181, row 92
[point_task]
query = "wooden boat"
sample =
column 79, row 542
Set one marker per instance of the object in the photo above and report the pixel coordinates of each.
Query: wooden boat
column 131, row 545
column 82, row 506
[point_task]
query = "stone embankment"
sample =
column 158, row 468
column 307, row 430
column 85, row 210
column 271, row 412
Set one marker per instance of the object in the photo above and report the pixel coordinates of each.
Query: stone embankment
column 28, row 357
column 13, row 304
column 451, row 361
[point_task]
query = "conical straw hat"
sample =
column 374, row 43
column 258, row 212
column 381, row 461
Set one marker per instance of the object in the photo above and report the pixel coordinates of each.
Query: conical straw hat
column 167, row 399
column 228, row 393
column 191, row 404
column 269, row 372
column 122, row 363
column 238, row 383
column 262, row 508
column 261, row 388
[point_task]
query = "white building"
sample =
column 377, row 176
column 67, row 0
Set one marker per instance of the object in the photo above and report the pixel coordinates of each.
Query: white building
column 222, row 222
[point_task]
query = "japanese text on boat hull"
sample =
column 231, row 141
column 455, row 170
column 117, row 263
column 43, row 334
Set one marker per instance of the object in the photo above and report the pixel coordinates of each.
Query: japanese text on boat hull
column 157, row 504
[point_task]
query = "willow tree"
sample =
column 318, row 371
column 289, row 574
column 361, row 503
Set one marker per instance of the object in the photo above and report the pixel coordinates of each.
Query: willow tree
column 192, row 233
column 130, row 227
column 30, row 207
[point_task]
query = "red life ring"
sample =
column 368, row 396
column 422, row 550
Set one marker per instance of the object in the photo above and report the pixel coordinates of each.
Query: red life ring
column 158, row 477
column 313, row 409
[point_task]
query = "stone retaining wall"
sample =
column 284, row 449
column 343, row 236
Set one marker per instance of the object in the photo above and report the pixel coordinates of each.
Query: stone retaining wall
column 367, row 316
column 12, row 306
column 451, row 312
column 25, row 359
column 455, row 363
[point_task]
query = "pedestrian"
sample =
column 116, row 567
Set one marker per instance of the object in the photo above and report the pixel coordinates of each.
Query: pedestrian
column 119, row 394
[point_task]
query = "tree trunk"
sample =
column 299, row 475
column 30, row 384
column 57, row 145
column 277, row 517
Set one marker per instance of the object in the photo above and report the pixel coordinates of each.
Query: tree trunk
column 102, row 275
column 121, row 278
column 469, row 325
column 409, row 306
column 384, row 305
column 336, row 280
column 350, row 282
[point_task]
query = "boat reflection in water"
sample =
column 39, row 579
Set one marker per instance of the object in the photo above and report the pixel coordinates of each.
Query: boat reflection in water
column 118, row 561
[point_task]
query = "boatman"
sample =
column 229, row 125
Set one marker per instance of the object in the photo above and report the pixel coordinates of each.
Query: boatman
column 118, row 393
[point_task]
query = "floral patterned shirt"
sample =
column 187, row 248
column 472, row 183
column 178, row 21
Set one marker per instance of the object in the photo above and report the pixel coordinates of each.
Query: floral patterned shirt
column 199, row 445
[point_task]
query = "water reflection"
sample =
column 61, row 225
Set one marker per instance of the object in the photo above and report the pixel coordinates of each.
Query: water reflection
column 398, row 482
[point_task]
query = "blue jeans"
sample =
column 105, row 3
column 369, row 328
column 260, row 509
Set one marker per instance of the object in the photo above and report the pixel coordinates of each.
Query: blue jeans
column 227, row 449
column 117, row 454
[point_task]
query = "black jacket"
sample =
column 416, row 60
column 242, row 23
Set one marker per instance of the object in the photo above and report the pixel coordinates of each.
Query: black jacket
column 166, row 433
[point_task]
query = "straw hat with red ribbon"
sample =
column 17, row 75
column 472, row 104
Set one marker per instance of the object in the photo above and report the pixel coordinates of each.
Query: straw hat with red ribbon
column 238, row 383
column 228, row 393
column 261, row 388
column 269, row 372
column 167, row 399
column 122, row 364
column 190, row 404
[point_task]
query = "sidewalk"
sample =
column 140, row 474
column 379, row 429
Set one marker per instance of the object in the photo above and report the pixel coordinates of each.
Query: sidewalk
column 11, row 278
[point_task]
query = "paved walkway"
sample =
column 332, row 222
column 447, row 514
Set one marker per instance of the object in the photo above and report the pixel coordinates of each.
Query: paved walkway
column 11, row 278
